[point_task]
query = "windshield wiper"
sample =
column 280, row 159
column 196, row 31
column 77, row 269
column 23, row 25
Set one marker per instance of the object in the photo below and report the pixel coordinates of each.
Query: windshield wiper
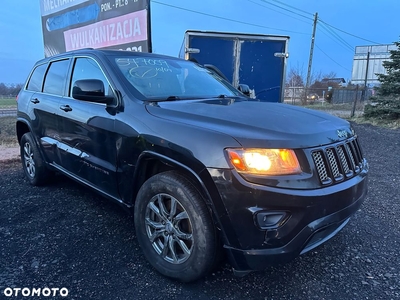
column 170, row 98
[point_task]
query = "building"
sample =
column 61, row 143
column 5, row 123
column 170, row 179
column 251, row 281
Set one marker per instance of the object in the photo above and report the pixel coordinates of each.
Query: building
column 368, row 60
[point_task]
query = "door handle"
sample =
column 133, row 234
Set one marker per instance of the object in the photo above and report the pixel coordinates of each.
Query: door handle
column 66, row 108
column 35, row 100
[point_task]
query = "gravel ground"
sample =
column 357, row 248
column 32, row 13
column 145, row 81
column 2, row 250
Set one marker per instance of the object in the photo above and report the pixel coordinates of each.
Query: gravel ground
column 64, row 235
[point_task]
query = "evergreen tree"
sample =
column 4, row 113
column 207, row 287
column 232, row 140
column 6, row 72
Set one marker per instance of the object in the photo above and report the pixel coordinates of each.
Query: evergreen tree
column 390, row 82
column 386, row 106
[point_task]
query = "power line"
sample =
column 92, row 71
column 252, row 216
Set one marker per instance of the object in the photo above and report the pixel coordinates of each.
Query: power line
column 339, row 39
column 348, row 33
column 296, row 8
column 227, row 19
column 269, row 8
column 291, row 11
column 331, row 58
column 338, row 29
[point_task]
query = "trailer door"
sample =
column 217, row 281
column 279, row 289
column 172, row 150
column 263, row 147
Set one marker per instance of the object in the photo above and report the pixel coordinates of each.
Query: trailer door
column 262, row 66
column 215, row 51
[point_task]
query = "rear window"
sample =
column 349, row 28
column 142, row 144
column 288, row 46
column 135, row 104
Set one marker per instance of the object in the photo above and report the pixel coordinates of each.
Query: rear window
column 56, row 77
column 36, row 80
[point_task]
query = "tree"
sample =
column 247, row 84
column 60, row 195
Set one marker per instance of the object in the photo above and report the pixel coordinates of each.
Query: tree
column 3, row 89
column 10, row 90
column 390, row 82
column 387, row 103
column 295, row 77
column 321, row 85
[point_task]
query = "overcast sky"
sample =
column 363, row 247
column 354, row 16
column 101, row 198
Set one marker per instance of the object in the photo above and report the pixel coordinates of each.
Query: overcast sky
column 343, row 24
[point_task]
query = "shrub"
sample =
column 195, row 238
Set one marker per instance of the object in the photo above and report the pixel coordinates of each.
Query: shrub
column 387, row 108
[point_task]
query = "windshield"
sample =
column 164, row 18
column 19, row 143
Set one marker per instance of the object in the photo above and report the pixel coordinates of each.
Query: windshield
column 172, row 79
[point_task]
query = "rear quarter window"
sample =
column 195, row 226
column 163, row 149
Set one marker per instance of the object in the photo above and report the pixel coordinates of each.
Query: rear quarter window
column 36, row 81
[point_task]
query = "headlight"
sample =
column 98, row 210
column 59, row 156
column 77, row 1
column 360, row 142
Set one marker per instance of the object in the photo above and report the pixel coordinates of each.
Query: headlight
column 264, row 161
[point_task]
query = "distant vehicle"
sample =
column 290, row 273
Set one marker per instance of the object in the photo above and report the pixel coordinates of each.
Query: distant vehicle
column 208, row 171
column 312, row 97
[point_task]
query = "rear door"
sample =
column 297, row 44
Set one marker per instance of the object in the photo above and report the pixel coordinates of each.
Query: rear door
column 87, row 134
column 47, row 85
column 256, row 60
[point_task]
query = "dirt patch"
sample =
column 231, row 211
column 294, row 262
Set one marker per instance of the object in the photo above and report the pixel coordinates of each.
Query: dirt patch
column 9, row 153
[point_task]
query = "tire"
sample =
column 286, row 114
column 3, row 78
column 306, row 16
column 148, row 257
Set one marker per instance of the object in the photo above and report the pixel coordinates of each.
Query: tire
column 174, row 227
column 34, row 167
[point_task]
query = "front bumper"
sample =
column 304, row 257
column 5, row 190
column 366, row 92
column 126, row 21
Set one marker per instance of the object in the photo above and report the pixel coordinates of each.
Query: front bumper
column 310, row 217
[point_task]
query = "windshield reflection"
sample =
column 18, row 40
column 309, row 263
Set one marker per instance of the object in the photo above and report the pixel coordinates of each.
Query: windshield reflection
column 172, row 79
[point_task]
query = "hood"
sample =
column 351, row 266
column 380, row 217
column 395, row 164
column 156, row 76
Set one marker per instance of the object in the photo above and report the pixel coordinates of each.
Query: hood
column 257, row 124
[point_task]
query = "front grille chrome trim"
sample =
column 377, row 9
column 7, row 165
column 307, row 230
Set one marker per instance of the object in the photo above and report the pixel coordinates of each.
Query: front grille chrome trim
column 335, row 163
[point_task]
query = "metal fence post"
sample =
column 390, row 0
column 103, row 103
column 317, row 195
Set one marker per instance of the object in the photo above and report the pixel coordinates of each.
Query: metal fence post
column 353, row 110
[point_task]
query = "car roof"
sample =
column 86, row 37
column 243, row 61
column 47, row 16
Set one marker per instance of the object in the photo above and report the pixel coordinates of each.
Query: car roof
column 105, row 52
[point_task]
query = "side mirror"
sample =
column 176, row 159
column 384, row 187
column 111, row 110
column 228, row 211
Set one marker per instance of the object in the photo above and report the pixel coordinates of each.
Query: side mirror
column 244, row 89
column 90, row 90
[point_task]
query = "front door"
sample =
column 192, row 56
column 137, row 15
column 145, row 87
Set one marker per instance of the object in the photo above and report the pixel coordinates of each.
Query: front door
column 88, row 134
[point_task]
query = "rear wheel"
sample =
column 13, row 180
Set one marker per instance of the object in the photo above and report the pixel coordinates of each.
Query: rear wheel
column 174, row 227
column 34, row 167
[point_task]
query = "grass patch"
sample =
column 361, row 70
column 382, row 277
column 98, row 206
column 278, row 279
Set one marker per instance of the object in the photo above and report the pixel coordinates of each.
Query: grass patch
column 8, row 103
column 390, row 124
column 8, row 136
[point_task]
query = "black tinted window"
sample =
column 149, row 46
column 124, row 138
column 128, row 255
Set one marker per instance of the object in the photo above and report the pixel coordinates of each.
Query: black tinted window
column 36, row 80
column 87, row 68
column 55, row 78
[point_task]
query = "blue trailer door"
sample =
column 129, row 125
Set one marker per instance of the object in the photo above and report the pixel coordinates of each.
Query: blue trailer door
column 262, row 68
column 214, row 51
column 254, row 59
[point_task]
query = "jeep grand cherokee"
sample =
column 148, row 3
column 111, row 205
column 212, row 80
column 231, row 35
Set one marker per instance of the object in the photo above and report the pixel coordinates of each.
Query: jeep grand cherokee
column 206, row 169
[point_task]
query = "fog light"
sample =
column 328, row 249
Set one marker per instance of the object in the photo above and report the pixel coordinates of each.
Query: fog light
column 271, row 219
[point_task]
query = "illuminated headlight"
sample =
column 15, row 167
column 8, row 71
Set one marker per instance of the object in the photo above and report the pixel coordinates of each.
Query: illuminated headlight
column 264, row 161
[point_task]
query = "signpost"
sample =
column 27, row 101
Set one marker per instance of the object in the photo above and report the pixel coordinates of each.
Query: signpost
column 75, row 24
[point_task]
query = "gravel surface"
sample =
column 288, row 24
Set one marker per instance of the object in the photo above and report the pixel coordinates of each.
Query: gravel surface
column 64, row 235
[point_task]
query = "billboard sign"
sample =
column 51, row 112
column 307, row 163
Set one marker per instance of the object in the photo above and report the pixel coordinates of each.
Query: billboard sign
column 75, row 24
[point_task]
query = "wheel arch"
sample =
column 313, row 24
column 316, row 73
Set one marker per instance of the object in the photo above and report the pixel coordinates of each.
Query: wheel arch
column 151, row 163
column 22, row 127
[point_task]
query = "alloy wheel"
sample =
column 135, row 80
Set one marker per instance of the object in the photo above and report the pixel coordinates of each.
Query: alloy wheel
column 169, row 228
column 29, row 160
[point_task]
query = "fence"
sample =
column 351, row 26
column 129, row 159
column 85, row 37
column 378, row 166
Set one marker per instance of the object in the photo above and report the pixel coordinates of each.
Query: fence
column 343, row 102
column 8, row 106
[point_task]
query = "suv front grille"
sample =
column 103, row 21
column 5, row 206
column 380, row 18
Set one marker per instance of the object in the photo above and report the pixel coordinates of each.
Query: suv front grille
column 338, row 162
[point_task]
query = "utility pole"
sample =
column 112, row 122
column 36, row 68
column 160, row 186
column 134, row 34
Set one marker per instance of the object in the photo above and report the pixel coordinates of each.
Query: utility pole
column 311, row 53
column 364, row 93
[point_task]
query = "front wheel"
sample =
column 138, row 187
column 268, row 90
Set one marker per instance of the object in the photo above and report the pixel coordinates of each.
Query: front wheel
column 174, row 227
column 34, row 167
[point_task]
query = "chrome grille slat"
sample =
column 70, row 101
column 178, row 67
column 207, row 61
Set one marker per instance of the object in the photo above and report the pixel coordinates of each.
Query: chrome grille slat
column 333, row 164
column 350, row 154
column 320, row 165
column 343, row 160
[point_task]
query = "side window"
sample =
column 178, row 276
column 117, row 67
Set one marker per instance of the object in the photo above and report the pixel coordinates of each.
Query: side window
column 36, row 80
column 56, row 77
column 87, row 68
